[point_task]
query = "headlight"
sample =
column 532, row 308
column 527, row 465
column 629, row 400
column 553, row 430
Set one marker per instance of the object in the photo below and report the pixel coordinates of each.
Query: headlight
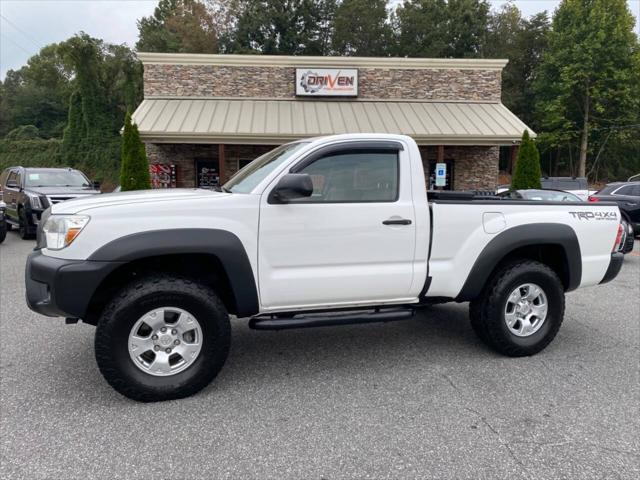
column 36, row 202
column 60, row 230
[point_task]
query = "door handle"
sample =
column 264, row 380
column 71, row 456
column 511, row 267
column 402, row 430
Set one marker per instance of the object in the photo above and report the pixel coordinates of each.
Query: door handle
column 399, row 221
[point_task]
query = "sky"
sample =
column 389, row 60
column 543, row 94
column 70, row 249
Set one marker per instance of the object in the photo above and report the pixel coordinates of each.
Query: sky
column 28, row 25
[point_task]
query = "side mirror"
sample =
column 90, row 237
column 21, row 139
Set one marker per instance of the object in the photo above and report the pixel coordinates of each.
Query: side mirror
column 290, row 187
column 96, row 185
column 12, row 184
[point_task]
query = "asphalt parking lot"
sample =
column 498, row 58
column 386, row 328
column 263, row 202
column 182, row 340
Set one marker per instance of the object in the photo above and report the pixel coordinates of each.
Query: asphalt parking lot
column 415, row 399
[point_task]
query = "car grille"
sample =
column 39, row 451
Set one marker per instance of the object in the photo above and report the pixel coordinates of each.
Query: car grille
column 57, row 199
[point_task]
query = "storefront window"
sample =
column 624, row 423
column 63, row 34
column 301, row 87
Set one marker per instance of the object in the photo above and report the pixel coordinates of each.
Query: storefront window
column 246, row 180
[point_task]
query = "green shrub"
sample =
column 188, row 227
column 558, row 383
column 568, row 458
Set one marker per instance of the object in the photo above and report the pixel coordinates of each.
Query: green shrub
column 23, row 132
column 527, row 172
column 134, row 170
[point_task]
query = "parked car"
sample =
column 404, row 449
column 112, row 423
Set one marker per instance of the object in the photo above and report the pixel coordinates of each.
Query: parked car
column 541, row 195
column 627, row 196
column 327, row 231
column 576, row 185
column 29, row 191
column 3, row 222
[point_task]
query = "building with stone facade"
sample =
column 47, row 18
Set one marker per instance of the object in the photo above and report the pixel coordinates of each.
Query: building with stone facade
column 206, row 116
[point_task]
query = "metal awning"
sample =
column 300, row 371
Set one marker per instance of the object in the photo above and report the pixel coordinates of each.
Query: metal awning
column 275, row 121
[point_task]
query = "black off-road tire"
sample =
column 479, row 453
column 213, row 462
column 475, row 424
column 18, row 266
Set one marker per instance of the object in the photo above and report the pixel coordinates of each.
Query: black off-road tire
column 487, row 311
column 3, row 231
column 130, row 304
column 23, row 229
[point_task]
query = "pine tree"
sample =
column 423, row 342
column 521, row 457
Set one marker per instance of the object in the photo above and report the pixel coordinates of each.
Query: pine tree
column 74, row 132
column 527, row 172
column 134, row 169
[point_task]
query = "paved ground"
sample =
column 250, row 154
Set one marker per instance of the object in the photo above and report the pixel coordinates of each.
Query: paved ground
column 416, row 399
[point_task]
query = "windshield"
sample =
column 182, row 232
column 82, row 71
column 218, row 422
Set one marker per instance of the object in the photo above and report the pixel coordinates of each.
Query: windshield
column 550, row 196
column 246, row 179
column 56, row 178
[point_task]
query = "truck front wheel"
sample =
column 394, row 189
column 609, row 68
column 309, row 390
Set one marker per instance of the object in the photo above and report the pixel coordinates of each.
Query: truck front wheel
column 520, row 310
column 162, row 338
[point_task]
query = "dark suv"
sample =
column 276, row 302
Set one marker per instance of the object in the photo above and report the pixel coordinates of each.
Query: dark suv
column 29, row 191
column 627, row 196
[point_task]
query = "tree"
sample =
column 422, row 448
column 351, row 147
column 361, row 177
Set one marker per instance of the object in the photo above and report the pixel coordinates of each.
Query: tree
column 441, row 28
column 421, row 27
column 522, row 42
column 527, row 173
column 134, row 167
column 281, row 27
column 74, row 132
column 361, row 28
column 181, row 26
column 587, row 81
column 37, row 94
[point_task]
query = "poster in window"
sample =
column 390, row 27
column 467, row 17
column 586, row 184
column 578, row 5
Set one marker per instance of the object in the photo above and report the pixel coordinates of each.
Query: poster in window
column 207, row 174
column 163, row 175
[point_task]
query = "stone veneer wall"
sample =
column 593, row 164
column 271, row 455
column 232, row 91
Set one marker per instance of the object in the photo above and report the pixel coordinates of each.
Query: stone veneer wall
column 475, row 168
column 184, row 156
column 278, row 82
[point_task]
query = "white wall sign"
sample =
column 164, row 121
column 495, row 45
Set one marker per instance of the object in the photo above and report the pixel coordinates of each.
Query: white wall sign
column 441, row 174
column 327, row 82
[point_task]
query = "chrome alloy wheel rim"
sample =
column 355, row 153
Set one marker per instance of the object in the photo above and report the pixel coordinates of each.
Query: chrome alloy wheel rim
column 165, row 341
column 526, row 310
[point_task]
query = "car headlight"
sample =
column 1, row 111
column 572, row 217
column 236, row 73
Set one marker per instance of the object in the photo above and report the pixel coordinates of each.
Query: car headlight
column 60, row 230
column 36, row 202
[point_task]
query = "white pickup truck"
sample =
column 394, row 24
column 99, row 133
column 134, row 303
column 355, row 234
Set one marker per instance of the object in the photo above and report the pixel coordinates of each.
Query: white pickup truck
column 325, row 231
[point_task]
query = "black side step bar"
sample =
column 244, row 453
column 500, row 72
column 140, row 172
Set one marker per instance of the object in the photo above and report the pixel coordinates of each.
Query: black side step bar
column 309, row 320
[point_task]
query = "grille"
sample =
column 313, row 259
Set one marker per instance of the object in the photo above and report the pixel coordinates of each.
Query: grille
column 54, row 200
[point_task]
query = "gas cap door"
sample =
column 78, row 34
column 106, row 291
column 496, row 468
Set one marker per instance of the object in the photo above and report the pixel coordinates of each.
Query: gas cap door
column 493, row 222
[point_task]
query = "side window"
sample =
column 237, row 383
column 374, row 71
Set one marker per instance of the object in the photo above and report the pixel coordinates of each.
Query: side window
column 635, row 191
column 354, row 176
column 626, row 190
column 13, row 177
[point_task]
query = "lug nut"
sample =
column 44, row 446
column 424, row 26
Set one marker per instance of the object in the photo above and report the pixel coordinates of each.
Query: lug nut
column 176, row 342
column 163, row 329
column 156, row 348
column 154, row 337
column 174, row 331
column 168, row 350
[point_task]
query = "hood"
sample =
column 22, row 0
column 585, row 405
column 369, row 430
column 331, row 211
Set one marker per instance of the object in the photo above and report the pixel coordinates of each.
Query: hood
column 62, row 191
column 140, row 196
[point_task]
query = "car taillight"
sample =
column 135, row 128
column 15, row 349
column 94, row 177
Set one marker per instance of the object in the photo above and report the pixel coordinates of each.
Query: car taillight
column 618, row 241
column 593, row 199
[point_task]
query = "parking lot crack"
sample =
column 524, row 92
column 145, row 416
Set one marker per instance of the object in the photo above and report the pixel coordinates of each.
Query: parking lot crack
column 503, row 443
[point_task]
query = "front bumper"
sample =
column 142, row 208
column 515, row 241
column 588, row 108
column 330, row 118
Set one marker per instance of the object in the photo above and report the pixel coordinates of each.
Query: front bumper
column 58, row 287
column 615, row 264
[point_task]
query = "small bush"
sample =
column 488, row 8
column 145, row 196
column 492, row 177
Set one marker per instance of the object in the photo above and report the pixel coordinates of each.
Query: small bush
column 134, row 170
column 527, row 172
column 23, row 132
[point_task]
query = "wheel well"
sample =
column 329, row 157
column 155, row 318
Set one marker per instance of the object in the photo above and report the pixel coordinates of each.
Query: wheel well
column 552, row 255
column 206, row 269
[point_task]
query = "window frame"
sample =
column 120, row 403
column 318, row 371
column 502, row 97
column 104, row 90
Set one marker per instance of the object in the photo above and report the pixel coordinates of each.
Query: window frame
column 350, row 147
column 615, row 192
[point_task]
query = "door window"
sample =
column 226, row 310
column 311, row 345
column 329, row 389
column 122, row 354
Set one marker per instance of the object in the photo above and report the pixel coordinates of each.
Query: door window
column 13, row 178
column 626, row 190
column 355, row 176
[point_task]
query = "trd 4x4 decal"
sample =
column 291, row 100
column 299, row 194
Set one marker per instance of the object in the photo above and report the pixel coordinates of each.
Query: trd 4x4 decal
column 594, row 215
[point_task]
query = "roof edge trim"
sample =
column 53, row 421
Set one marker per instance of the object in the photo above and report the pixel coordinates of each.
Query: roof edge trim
column 149, row 58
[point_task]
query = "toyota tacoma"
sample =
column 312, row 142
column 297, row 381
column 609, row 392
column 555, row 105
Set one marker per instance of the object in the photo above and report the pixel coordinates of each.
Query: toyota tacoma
column 325, row 231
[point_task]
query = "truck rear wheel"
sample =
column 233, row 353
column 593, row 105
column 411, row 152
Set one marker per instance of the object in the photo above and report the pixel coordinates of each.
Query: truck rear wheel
column 520, row 310
column 162, row 338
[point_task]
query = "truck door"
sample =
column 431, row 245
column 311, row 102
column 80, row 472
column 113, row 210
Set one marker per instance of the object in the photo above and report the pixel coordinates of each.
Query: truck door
column 352, row 241
column 11, row 189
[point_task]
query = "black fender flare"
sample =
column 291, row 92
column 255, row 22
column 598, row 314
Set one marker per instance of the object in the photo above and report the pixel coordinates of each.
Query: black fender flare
column 523, row 236
column 224, row 245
